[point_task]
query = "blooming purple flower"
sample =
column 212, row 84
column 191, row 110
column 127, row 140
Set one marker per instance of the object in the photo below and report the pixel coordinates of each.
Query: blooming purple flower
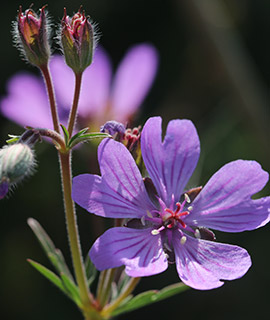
column 101, row 97
column 168, row 226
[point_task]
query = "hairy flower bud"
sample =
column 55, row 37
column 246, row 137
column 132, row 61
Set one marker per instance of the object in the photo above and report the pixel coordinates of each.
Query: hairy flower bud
column 16, row 162
column 78, row 41
column 31, row 36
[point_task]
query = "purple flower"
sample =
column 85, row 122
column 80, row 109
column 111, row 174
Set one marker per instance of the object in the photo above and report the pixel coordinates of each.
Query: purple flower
column 169, row 226
column 101, row 97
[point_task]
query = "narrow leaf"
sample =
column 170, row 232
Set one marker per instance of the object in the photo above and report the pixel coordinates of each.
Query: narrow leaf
column 91, row 271
column 66, row 134
column 149, row 297
column 48, row 274
column 54, row 254
column 77, row 135
column 87, row 137
column 72, row 289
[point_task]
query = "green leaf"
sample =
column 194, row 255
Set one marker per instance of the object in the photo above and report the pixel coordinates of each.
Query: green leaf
column 66, row 134
column 77, row 135
column 91, row 271
column 72, row 289
column 149, row 297
column 87, row 137
column 48, row 274
column 54, row 254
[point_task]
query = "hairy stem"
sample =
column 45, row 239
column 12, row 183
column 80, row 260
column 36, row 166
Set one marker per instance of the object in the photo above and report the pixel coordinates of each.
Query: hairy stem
column 74, row 242
column 47, row 77
column 73, row 111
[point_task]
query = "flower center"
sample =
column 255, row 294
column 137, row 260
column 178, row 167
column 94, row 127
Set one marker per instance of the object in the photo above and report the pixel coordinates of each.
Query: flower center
column 171, row 218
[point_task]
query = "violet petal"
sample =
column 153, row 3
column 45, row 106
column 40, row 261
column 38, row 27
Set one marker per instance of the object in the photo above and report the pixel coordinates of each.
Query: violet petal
column 138, row 250
column 120, row 193
column 121, row 173
column 26, row 102
column 96, row 84
column 225, row 204
column 170, row 163
column 203, row 264
column 133, row 80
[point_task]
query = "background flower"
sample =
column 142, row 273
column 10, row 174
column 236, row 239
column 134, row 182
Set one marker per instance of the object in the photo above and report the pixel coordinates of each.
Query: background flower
column 102, row 97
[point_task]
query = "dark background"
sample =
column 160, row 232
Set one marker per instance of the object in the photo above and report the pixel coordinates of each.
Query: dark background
column 214, row 69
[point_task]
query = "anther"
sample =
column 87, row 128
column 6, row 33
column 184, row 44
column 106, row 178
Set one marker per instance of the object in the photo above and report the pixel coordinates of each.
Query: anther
column 190, row 208
column 157, row 231
column 183, row 240
column 187, row 198
column 143, row 220
column 149, row 214
column 197, row 234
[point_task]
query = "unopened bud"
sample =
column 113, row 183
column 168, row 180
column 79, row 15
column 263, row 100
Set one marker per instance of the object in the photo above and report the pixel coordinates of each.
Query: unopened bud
column 31, row 35
column 114, row 128
column 78, row 41
column 17, row 161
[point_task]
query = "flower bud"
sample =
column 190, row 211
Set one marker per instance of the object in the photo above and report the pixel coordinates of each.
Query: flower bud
column 114, row 128
column 16, row 162
column 31, row 36
column 78, row 41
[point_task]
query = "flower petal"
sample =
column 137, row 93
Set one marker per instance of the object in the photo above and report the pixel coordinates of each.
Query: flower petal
column 26, row 102
column 63, row 80
column 133, row 80
column 120, row 193
column 224, row 203
column 170, row 163
column 138, row 250
column 203, row 264
column 96, row 84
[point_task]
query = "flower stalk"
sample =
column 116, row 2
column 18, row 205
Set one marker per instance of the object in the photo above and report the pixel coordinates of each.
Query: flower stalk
column 71, row 221
column 73, row 112
column 48, row 81
column 107, row 311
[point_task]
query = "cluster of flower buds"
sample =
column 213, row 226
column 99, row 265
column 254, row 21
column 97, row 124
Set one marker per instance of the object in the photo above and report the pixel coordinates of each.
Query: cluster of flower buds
column 77, row 38
column 32, row 36
column 17, row 161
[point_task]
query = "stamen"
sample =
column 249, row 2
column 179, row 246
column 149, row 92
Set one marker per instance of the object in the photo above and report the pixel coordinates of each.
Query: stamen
column 197, row 234
column 149, row 214
column 157, row 231
column 183, row 240
column 143, row 220
column 190, row 208
column 187, row 198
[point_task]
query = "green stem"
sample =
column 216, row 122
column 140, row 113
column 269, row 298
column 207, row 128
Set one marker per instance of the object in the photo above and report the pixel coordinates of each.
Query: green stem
column 47, row 77
column 106, row 312
column 65, row 160
column 106, row 288
column 88, row 310
column 73, row 111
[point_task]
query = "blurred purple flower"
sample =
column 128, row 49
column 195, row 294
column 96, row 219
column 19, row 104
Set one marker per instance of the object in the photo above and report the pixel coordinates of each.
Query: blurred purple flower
column 163, row 229
column 102, row 98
